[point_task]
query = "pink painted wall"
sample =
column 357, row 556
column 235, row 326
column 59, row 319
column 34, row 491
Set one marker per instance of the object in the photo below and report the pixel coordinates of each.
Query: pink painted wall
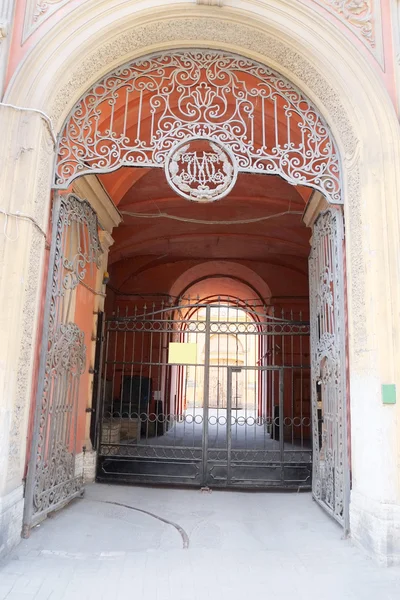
column 381, row 28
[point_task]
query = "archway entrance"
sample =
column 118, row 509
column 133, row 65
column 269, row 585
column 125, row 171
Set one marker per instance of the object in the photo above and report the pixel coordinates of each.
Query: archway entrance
column 203, row 126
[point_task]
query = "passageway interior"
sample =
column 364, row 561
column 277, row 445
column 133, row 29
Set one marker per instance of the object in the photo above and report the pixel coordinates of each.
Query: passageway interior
column 150, row 255
column 244, row 257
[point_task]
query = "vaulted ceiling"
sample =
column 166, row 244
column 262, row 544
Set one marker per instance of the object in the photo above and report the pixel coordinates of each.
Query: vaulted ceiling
column 273, row 234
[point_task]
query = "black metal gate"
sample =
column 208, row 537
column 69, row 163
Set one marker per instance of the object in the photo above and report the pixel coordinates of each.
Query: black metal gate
column 206, row 395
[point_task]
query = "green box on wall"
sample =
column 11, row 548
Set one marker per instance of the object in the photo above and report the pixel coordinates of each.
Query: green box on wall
column 388, row 393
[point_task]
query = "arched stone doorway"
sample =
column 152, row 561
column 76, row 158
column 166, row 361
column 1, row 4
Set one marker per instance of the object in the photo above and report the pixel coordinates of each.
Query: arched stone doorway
column 208, row 119
column 324, row 66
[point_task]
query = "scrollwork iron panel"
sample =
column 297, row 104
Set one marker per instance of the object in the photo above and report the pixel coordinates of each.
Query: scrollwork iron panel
column 328, row 374
column 52, row 479
column 136, row 115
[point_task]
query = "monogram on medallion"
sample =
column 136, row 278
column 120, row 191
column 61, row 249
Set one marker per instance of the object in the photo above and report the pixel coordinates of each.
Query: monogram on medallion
column 201, row 170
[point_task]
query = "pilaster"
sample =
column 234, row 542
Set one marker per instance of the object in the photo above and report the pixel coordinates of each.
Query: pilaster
column 89, row 188
column 26, row 156
column 6, row 21
column 375, row 528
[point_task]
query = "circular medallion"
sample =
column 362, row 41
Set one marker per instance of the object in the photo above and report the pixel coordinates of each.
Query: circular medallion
column 201, row 169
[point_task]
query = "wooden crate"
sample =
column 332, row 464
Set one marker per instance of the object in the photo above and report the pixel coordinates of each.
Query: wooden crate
column 129, row 429
column 111, row 434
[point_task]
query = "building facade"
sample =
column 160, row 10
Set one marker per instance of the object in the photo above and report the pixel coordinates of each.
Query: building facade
column 199, row 251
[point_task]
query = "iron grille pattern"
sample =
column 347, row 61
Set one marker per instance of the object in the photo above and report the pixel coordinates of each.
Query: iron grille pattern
column 51, row 479
column 234, row 410
column 263, row 120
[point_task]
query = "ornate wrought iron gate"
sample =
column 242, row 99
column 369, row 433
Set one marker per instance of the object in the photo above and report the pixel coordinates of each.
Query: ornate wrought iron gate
column 205, row 395
column 52, row 479
column 328, row 367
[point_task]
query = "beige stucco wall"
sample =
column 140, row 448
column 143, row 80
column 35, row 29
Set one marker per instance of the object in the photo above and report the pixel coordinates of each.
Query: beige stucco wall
column 26, row 165
column 308, row 50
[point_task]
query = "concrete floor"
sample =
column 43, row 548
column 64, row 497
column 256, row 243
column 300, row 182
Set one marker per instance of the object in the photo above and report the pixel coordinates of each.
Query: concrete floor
column 240, row 546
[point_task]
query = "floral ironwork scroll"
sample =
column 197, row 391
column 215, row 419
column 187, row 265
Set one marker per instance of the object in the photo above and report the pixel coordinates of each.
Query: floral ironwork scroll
column 137, row 114
column 52, row 479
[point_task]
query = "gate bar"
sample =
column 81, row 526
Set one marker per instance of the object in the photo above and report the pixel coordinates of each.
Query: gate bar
column 281, row 428
column 229, row 423
column 96, row 398
column 206, row 389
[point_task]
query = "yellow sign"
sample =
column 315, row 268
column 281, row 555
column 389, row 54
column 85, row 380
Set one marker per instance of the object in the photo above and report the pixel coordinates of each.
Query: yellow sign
column 182, row 354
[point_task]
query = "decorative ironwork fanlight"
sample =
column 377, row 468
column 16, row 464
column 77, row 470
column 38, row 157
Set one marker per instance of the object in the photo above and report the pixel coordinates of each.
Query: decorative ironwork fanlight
column 146, row 112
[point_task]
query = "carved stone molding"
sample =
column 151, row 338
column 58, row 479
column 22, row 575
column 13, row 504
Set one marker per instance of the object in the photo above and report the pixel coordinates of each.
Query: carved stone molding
column 19, row 414
column 210, row 2
column 3, row 31
column 90, row 189
column 6, row 12
column 43, row 6
column 218, row 33
column 37, row 11
column 363, row 18
column 6, row 18
column 396, row 44
column 359, row 14
column 106, row 240
column 31, row 291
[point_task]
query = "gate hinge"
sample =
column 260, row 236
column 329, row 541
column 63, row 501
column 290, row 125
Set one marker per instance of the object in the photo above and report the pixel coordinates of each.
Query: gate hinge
column 90, row 410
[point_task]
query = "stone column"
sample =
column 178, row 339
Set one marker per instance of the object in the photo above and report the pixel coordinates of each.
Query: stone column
column 90, row 456
column 6, row 21
column 26, row 158
column 89, row 188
